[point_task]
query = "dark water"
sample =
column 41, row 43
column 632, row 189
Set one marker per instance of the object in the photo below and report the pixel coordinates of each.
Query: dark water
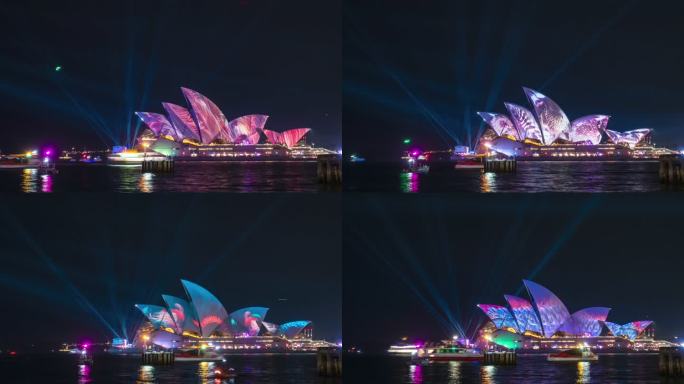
column 548, row 176
column 530, row 369
column 188, row 177
column 63, row 368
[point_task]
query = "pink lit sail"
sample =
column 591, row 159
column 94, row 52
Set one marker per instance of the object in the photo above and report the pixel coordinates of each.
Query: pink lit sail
column 208, row 116
column 182, row 121
column 274, row 137
column 292, row 136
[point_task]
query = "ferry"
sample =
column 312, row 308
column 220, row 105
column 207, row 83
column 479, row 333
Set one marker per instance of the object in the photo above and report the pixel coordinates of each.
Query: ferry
column 133, row 157
column 403, row 349
column 454, row 353
column 468, row 163
column 575, row 354
column 198, row 356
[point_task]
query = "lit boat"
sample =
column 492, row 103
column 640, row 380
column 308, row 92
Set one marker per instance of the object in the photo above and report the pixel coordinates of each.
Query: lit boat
column 575, row 354
column 468, row 164
column 133, row 157
column 197, row 355
column 403, row 349
column 454, row 353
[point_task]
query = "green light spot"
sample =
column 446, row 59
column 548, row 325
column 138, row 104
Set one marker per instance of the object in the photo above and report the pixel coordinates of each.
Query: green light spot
column 407, row 141
column 58, row 68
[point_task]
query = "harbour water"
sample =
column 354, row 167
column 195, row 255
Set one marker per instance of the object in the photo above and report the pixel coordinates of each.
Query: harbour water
column 530, row 369
column 531, row 176
column 109, row 369
column 187, row 177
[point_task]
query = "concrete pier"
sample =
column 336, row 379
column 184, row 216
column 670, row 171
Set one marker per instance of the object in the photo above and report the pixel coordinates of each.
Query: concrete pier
column 329, row 362
column 166, row 165
column 500, row 358
column 158, row 358
column 671, row 169
column 671, row 362
column 500, row 165
column 329, row 169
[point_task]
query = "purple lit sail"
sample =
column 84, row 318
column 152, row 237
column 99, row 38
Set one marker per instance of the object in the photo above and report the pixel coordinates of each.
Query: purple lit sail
column 182, row 121
column 585, row 322
column 209, row 118
column 243, row 128
column 552, row 311
column 506, row 146
column 524, row 122
column 501, row 124
column 588, row 129
column 630, row 330
column 552, row 119
column 158, row 124
column 629, row 138
column 524, row 314
column 500, row 316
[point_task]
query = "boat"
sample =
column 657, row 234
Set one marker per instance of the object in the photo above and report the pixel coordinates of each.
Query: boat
column 468, row 164
column 221, row 373
column 454, row 353
column 575, row 354
column 198, row 356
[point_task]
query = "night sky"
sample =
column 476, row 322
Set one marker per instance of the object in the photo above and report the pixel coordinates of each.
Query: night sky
column 277, row 58
column 74, row 265
column 412, row 261
column 421, row 69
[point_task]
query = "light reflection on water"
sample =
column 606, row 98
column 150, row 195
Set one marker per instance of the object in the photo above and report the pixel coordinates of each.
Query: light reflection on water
column 583, row 372
column 550, row 176
column 187, row 177
column 146, row 374
column 29, row 180
column 84, row 374
column 381, row 369
column 112, row 369
column 409, row 181
column 487, row 373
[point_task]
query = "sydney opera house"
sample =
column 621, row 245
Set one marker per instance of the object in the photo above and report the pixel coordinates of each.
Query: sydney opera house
column 548, row 134
column 201, row 321
column 202, row 132
column 544, row 323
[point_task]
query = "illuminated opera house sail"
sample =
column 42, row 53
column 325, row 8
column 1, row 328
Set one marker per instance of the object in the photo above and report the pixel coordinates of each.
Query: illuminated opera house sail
column 545, row 322
column 202, row 131
column 202, row 321
column 546, row 132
